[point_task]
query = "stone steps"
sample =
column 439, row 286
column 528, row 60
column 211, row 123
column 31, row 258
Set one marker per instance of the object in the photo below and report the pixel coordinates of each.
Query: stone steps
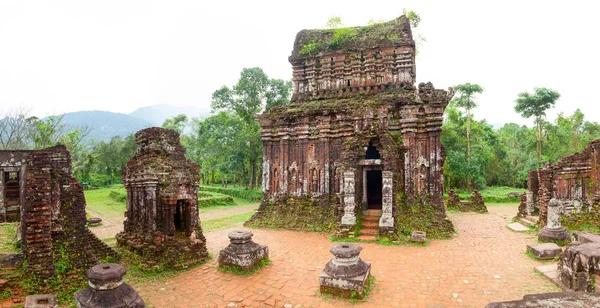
column 526, row 222
column 367, row 237
column 370, row 225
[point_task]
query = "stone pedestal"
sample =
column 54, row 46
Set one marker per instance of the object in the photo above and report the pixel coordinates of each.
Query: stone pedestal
column 529, row 203
column 545, row 251
column 553, row 231
column 578, row 265
column 41, row 301
column 346, row 272
column 107, row 289
column 242, row 252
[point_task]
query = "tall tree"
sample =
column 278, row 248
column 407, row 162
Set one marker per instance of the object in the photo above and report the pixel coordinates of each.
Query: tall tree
column 535, row 105
column 177, row 123
column 253, row 92
column 466, row 99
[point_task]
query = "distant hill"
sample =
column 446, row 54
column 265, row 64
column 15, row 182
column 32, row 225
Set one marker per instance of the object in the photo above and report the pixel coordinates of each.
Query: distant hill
column 157, row 114
column 105, row 125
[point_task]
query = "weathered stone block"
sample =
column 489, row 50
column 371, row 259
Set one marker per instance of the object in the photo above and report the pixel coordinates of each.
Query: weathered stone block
column 577, row 266
column 558, row 299
column 346, row 272
column 586, row 237
column 41, row 301
column 545, row 251
column 418, row 236
column 242, row 252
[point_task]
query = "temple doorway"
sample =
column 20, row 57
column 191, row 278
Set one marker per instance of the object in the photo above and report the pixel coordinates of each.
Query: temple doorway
column 180, row 216
column 12, row 196
column 374, row 189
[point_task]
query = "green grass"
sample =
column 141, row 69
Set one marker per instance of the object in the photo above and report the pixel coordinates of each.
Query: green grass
column 239, row 271
column 8, row 237
column 492, row 194
column 532, row 256
column 211, row 199
column 225, row 222
column 98, row 201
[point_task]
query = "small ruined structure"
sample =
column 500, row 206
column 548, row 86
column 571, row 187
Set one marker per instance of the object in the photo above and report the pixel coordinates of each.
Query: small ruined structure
column 573, row 180
column 107, row 289
column 51, row 208
column 162, row 221
column 41, row 301
column 346, row 273
column 557, row 299
column 553, row 231
column 475, row 204
column 242, row 252
column 579, row 267
column 453, row 201
column 358, row 134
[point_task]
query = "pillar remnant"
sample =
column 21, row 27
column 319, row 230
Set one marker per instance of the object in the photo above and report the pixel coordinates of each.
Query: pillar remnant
column 107, row 289
column 346, row 273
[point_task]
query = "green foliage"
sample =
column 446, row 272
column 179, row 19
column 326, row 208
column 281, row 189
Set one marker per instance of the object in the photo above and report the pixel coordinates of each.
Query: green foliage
column 119, row 196
column 334, row 22
column 209, row 199
column 297, row 213
column 310, row 48
column 177, row 123
column 493, row 194
column 238, row 192
column 8, row 238
column 536, row 104
column 242, row 272
column 419, row 215
column 342, row 37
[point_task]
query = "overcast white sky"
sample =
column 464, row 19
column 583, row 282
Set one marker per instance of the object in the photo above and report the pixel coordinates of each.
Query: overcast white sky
column 63, row 56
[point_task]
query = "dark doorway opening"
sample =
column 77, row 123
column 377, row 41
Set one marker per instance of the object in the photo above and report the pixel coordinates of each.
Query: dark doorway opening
column 12, row 196
column 374, row 189
column 372, row 152
column 180, row 216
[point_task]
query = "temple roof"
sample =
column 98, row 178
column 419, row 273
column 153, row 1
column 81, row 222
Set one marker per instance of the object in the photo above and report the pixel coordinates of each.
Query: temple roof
column 396, row 32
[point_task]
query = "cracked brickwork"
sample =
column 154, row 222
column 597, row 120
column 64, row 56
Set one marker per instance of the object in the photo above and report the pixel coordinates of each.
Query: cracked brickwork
column 52, row 214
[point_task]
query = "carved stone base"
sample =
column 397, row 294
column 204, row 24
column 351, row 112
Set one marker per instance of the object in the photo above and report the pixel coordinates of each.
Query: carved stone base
column 242, row 252
column 554, row 235
column 346, row 273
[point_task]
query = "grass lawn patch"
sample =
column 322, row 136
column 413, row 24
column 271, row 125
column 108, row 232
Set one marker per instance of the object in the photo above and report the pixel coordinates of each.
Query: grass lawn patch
column 225, row 222
column 8, row 237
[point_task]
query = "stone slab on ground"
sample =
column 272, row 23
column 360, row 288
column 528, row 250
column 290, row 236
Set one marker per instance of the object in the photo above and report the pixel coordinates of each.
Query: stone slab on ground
column 515, row 226
column 550, row 272
column 545, row 251
column 557, row 299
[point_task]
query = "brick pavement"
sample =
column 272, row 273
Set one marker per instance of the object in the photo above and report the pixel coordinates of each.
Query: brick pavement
column 484, row 262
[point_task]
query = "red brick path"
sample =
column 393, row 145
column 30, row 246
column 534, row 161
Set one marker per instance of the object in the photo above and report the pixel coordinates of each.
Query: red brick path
column 485, row 262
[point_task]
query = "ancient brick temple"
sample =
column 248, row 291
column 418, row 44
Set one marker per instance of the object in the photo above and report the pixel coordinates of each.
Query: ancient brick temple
column 573, row 180
column 162, row 221
column 358, row 130
column 40, row 187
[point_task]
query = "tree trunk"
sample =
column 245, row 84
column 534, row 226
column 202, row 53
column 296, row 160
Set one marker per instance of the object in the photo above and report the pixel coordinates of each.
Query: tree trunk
column 469, row 149
column 212, row 178
column 252, row 171
column 539, row 141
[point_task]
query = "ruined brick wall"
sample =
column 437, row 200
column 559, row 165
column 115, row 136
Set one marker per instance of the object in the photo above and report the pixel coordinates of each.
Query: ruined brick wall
column 574, row 179
column 162, row 200
column 346, row 100
column 53, row 218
